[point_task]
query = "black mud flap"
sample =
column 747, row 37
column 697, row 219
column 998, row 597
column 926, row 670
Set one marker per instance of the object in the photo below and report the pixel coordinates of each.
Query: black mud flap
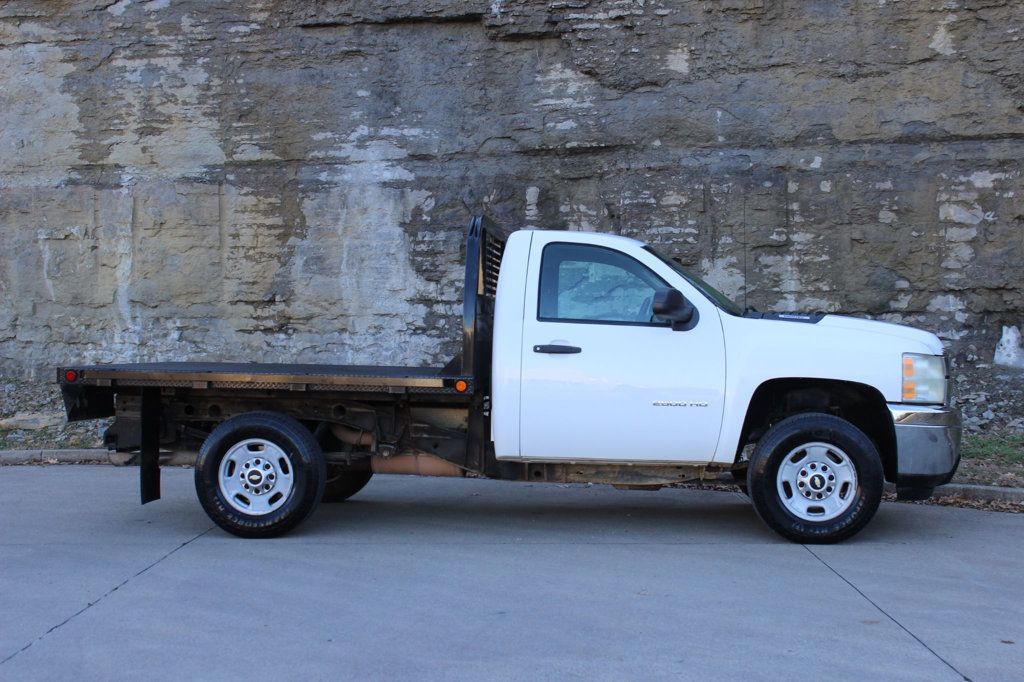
column 149, row 452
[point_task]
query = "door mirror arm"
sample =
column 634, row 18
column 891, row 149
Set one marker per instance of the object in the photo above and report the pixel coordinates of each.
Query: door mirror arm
column 671, row 305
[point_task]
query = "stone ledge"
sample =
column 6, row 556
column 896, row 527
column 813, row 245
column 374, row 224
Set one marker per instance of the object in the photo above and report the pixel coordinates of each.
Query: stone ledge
column 87, row 456
column 984, row 493
column 971, row 491
column 80, row 456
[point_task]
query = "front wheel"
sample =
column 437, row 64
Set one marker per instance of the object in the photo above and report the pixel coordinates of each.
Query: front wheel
column 815, row 478
column 260, row 474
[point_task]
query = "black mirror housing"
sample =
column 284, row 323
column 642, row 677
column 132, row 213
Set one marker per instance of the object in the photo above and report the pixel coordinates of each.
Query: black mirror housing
column 672, row 305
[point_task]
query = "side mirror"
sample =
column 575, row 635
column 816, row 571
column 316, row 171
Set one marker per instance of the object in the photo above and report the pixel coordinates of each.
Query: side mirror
column 673, row 306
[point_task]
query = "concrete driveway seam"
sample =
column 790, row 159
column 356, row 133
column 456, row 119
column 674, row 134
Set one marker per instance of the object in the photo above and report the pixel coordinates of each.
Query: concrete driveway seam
column 887, row 614
column 106, row 594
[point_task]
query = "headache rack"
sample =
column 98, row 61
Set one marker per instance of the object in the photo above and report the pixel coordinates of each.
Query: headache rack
column 484, row 248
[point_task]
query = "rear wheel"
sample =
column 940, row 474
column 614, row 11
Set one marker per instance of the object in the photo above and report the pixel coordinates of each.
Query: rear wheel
column 815, row 478
column 260, row 474
column 344, row 482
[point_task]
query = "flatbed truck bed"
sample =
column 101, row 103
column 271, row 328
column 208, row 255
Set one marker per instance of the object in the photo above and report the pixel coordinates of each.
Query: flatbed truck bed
column 274, row 376
column 165, row 407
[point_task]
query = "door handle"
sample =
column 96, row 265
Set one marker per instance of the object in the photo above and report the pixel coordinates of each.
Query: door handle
column 557, row 349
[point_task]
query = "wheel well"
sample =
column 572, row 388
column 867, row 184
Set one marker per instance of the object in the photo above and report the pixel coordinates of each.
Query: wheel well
column 860, row 404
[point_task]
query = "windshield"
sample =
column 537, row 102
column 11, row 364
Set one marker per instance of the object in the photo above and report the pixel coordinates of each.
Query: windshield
column 716, row 296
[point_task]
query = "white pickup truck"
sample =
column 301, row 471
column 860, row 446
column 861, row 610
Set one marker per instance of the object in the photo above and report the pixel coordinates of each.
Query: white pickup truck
column 585, row 358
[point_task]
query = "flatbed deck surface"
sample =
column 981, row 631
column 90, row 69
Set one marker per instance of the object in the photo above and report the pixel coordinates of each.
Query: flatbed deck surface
column 268, row 368
column 270, row 375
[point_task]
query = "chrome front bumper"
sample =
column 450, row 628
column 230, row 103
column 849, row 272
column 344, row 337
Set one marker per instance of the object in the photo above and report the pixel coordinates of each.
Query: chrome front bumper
column 927, row 444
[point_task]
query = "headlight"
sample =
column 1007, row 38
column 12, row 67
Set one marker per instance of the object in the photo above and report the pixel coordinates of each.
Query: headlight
column 924, row 378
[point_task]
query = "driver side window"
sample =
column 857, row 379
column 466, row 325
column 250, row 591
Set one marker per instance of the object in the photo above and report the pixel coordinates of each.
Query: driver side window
column 583, row 283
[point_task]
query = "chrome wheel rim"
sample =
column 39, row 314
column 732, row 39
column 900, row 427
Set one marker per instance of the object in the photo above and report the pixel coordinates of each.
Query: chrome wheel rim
column 816, row 482
column 256, row 477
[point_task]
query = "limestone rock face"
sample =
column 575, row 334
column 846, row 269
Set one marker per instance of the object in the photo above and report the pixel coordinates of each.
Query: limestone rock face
column 289, row 180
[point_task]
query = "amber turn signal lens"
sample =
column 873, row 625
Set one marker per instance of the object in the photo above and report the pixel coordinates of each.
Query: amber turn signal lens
column 909, row 390
column 461, row 386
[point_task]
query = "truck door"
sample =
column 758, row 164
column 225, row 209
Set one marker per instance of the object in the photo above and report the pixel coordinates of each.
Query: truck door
column 604, row 379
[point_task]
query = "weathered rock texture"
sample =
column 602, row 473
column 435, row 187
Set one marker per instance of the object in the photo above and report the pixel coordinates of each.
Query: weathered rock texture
column 289, row 180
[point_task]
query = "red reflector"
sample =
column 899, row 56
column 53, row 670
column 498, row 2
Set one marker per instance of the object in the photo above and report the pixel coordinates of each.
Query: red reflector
column 71, row 376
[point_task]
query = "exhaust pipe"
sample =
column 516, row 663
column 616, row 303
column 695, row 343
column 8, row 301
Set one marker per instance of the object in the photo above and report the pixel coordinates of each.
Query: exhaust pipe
column 352, row 436
column 412, row 465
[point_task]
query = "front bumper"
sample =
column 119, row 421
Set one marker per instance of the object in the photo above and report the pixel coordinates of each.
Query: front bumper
column 927, row 444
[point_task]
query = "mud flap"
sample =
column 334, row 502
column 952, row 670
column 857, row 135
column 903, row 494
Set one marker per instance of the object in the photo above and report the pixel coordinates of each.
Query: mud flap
column 149, row 451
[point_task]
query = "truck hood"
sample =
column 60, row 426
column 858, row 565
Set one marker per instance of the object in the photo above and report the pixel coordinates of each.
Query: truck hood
column 816, row 346
column 856, row 324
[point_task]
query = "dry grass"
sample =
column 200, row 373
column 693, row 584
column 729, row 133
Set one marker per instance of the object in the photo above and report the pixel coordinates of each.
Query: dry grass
column 992, row 459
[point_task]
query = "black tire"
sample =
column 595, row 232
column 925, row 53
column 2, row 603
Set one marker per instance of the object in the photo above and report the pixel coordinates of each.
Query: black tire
column 306, row 467
column 807, row 428
column 344, row 482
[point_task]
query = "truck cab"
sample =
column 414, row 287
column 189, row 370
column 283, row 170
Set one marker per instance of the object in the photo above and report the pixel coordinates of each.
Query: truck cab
column 586, row 357
column 584, row 370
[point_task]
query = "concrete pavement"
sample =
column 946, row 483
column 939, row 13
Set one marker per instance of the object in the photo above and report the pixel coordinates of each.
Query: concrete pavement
column 470, row 579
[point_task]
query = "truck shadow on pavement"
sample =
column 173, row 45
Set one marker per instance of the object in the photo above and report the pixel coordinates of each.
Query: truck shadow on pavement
column 667, row 516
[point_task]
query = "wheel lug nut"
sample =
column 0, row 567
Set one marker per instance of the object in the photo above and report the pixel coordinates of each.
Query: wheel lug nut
column 266, row 467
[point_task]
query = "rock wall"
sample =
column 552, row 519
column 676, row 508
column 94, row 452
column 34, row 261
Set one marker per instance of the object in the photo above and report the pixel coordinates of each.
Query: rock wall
column 289, row 180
